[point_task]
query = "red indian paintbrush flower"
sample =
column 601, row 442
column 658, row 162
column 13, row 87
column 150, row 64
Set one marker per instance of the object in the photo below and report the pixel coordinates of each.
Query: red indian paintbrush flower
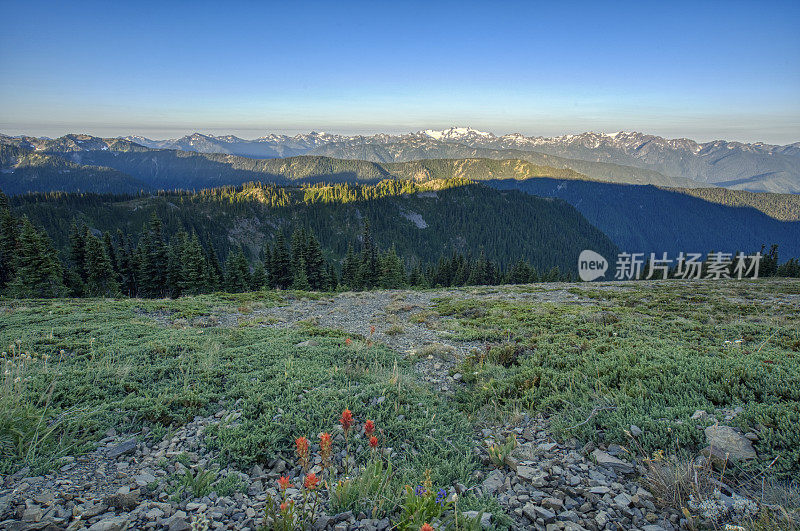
column 426, row 527
column 325, row 447
column 311, row 481
column 348, row 341
column 369, row 427
column 373, row 442
column 283, row 483
column 283, row 506
column 372, row 329
column 301, row 449
column 347, row 420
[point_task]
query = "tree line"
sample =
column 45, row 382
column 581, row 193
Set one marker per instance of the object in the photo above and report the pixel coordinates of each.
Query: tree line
column 106, row 265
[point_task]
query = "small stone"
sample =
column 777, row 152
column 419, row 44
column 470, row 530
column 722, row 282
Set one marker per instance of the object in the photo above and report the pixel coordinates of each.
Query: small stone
column 533, row 475
column 534, row 511
column 611, row 462
column 700, row 414
column 493, row 482
column 32, row 514
column 128, row 447
column 144, row 479
column 635, row 430
column 178, row 523
column 622, row 500
column 553, row 503
column 110, row 524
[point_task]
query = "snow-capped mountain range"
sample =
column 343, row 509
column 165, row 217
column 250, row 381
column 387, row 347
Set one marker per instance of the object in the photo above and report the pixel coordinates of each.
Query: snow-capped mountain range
column 628, row 157
column 755, row 167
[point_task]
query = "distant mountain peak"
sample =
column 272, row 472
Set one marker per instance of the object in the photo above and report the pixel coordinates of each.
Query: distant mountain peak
column 456, row 133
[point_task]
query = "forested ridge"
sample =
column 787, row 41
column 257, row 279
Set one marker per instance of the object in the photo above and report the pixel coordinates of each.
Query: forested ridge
column 440, row 232
column 651, row 219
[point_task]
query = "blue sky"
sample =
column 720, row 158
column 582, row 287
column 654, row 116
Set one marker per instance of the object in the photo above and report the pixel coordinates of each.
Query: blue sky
column 702, row 70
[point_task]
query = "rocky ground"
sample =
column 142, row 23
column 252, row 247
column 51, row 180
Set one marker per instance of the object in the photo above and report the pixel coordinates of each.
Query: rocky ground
column 128, row 480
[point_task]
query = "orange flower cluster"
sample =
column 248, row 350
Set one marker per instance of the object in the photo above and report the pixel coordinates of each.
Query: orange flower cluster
column 346, row 421
column 301, row 449
column 426, row 527
column 369, row 427
column 373, row 442
column 311, row 482
column 325, row 449
column 283, row 483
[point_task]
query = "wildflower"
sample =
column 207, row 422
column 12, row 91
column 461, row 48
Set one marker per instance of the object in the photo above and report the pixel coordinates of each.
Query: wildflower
column 440, row 497
column 283, row 506
column 325, row 447
column 372, row 329
column 283, row 483
column 373, row 442
column 347, row 420
column 369, row 427
column 301, row 444
column 348, row 341
column 311, row 481
column 426, row 527
column 419, row 490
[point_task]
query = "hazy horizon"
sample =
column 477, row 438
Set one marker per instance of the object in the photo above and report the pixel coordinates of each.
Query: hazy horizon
column 253, row 134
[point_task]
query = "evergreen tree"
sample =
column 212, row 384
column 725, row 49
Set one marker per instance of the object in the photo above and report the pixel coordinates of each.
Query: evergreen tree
column 314, row 263
column 108, row 244
column 100, row 281
column 367, row 275
column 298, row 248
column 237, row 272
column 38, row 273
column 194, row 278
column 281, row 272
column 300, row 280
column 331, row 278
column 392, row 271
column 9, row 242
column 769, row 262
column 259, row 280
column 125, row 264
column 153, row 264
column 214, row 273
column 175, row 265
column 349, row 268
column 78, row 236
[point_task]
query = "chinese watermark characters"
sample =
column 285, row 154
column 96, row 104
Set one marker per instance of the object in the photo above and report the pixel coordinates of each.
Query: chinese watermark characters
column 634, row 266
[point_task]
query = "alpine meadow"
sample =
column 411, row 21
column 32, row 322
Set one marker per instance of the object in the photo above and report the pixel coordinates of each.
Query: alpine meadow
column 400, row 267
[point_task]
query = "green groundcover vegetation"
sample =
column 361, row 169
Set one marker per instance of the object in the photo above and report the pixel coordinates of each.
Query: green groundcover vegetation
column 645, row 355
column 77, row 367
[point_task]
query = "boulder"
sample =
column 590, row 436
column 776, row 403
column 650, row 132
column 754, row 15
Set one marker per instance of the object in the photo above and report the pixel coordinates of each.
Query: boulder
column 729, row 442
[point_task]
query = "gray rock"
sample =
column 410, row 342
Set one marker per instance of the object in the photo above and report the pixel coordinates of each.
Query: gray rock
column 32, row 514
column 178, row 523
column 611, row 462
column 729, row 442
column 635, row 430
column 700, row 414
column 124, row 500
column 534, row 511
column 553, row 503
column 128, row 447
column 532, row 475
column 308, row 343
column 493, row 482
column 622, row 500
column 110, row 524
